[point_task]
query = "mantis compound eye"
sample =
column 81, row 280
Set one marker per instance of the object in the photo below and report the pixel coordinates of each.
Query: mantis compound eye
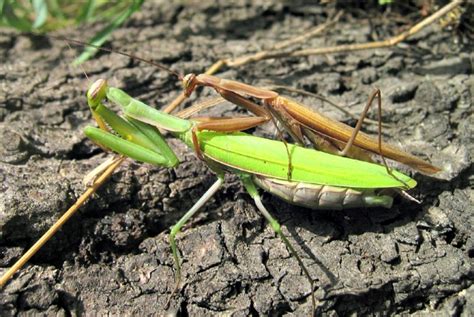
column 97, row 92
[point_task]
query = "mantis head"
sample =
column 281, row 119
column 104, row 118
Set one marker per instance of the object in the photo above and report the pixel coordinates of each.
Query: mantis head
column 189, row 83
column 96, row 93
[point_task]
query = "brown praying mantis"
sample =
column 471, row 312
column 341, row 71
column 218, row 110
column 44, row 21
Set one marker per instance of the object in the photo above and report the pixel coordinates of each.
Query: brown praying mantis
column 325, row 133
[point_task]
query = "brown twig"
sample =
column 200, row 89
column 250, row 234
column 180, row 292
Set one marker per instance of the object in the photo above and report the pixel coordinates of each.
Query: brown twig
column 353, row 47
column 246, row 59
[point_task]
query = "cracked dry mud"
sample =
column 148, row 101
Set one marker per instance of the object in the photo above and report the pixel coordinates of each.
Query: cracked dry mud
column 113, row 256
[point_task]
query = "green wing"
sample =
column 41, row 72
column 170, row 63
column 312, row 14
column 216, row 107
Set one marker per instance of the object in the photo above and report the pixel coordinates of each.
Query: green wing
column 269, row 158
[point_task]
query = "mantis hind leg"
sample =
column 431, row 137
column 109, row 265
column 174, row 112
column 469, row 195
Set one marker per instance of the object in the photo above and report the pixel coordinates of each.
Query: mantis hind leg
column 177, row 227
column 375, row 94
column 252, row 190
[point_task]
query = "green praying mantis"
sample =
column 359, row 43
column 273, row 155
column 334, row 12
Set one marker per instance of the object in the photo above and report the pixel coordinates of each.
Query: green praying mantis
column 318, row 180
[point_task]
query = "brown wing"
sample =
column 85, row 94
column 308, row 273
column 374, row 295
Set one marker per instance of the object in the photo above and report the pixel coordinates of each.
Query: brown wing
column 342, row 132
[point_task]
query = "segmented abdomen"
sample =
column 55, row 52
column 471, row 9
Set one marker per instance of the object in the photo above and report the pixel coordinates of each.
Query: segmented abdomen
column 322, row 196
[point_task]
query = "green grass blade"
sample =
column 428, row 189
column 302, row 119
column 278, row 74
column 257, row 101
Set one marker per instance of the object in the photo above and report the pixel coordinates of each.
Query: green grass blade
column 105, row 33
column 87, row 12
column 11, row 19
column 3, row 21
column 55, row 9
column 41, row 11
column 2, row 4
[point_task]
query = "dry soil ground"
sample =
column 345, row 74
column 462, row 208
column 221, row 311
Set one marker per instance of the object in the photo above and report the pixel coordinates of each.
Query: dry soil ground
column 113, row 257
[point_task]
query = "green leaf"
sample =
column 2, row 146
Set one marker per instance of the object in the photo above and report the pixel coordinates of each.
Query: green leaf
column 41, row 11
